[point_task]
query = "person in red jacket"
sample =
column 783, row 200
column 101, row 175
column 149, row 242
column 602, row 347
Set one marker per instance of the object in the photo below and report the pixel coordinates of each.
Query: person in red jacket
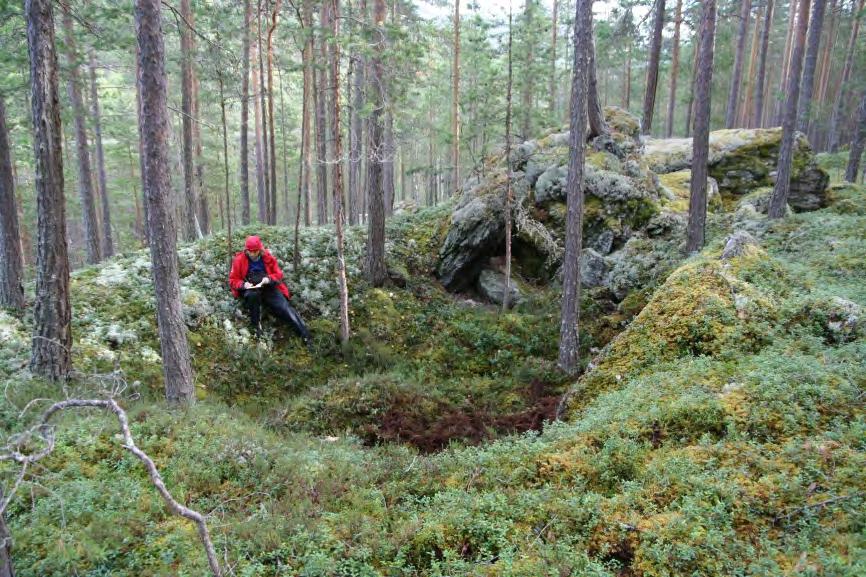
column 257, row 279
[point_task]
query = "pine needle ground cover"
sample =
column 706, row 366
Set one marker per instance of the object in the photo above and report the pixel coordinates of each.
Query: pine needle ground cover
column 722, row 432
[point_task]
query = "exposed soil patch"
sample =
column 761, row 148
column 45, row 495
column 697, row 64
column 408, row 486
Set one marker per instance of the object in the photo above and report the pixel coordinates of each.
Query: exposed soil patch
column 432, row 431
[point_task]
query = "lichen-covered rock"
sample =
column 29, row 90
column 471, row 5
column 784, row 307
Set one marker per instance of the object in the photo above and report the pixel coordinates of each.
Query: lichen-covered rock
column 836, row 319
column 477, row 229
column 675, row 191
column 594, row 269
column 742, row 160
column 738, row 244
column 491, row 285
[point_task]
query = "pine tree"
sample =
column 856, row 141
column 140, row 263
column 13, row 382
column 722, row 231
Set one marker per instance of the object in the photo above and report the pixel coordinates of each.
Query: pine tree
column 734, row 93
column 816, row 25
column 107, row 240
column 652, row 75
column 85, row 176
column 245, row 115
column 375, row 266
column 779, row 200
column 153, row 91
column 11, row 263
column 758, row 114
column 570, row 315
column 858, row 142
column 701, row 139
column 186, row 99
column 675, row 68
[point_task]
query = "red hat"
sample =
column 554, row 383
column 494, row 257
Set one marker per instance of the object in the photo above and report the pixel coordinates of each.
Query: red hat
column 254, row 243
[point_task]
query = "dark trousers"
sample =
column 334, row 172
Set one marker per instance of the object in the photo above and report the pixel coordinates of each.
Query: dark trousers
column 277, row 304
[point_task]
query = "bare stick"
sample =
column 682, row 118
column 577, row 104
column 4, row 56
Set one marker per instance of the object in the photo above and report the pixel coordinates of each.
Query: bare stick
column 46, row 433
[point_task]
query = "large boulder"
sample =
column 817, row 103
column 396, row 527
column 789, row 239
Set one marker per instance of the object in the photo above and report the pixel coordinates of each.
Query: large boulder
column 491, row 285
column 742, row 160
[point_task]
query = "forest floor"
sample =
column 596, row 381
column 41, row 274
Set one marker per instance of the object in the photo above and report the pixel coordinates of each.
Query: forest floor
column 719, row 429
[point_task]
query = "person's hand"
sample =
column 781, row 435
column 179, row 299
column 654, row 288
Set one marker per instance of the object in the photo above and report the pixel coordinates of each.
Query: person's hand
column 266, row 280
column 248, row 285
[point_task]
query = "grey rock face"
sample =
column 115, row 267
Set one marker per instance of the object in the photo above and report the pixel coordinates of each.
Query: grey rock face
column 491, row 285
column 737, row 244
column 594, row 269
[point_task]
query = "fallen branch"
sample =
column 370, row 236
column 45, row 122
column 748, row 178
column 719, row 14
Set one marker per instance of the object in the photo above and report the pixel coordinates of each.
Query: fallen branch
column 46, row 433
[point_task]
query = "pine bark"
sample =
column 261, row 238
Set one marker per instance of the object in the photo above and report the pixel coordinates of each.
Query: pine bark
column 701, row 139
column 570, row 314
column 553, row 88
column 652, row 77
column 261, row 190
column 826, row 64
column 675, row 70
column 356, row 127
column 758, row 115
column 203, row 208
column 154, row 129
column 734, row 93
column 320, row 98
column 263, row 97
column 245, row 115
column 190, row 203
column 52, row 335
column 107, row 240
column 11, row 263
column 778, row 105
column 336, row 135
column 816, row 25
column 309, row 85
column 228, row 201
column 85, row 177
column 743, row 114
column 506, row 296
column 390, row 150
column 455, row 99
column 376, row 270
column 779, row 199
column 841, row 92
column 857, row 143
column 595, row 114
column 272, row 215
column 529, row 76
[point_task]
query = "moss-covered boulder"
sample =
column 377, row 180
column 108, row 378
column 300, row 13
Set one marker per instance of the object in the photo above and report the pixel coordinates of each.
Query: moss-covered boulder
column 742, row 160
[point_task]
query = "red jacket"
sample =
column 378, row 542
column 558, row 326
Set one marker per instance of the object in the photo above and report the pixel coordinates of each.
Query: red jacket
column 241, row 264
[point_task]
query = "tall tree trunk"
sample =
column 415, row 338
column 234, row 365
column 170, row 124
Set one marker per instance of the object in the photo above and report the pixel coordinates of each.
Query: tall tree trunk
column 506, row 295
column 779, row 199
column 390, row 149
column 857, row 143
column 701, row 140
column 758, row 116
column 355, row 127
column 455, row 99
column 829, row 45
column 107, row 240
column 652, row 75
column 816, row 24
column 272, row 216
column 376, row 271
column 320, row 97
column 675, row 70
column 734, row 93
column 52, row 335
column 841, row 92
column 261, row 190
column 595, row 115
column 245, row 115
column 203, row 210
column 553, row 84
column 528, row 74
column 336, row 130
column 745, row 108
column 309, row 86
column 11, row 263
column 626, row 97
column 85, row 177
column 690, row 109
column 153, row 90
column 190, row 201
column 786, row 61
column 570, row 315
column 228, row 201
column 283, row 145
column 263, row 92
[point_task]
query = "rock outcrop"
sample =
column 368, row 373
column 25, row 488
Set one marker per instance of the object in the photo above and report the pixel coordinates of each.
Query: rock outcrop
column 742, row 160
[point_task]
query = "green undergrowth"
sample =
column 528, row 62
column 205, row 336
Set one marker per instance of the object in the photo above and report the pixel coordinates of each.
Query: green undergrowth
column 721, row 433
